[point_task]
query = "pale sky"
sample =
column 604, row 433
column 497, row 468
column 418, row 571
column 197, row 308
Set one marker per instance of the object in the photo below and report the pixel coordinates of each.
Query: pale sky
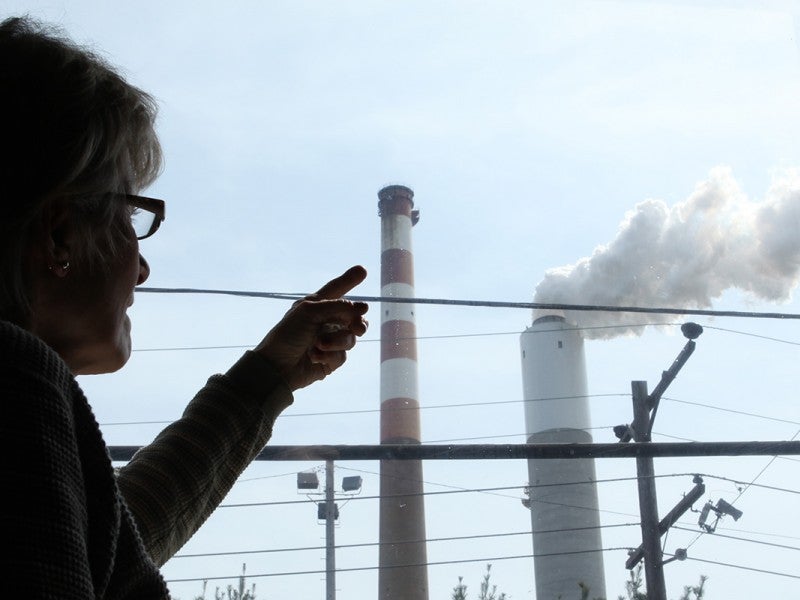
column 527, row 131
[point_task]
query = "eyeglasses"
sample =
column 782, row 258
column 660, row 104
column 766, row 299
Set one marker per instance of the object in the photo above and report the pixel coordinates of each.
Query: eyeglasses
column 146, row 215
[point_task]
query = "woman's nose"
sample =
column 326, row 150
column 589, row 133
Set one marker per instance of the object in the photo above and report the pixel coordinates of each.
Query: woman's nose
column 144, row 270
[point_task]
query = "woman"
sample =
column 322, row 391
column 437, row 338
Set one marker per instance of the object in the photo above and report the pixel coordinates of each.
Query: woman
column 77, row 145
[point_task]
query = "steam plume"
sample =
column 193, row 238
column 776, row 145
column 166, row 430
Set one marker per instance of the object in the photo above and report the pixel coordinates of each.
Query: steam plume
column 687, row 255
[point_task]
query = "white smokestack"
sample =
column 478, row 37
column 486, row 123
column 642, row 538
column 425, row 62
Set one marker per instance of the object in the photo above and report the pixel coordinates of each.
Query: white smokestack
column 687, row 255
column 564, row 506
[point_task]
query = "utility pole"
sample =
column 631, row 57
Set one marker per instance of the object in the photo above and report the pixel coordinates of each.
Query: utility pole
column 330, row 521
column 648, row 504
column 645, row 407
column 328, row 511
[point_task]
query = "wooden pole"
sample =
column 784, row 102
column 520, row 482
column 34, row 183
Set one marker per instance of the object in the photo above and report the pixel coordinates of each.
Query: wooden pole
column 648, row 504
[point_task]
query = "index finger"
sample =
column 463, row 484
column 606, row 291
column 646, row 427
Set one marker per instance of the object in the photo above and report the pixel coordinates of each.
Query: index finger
column 338, row 287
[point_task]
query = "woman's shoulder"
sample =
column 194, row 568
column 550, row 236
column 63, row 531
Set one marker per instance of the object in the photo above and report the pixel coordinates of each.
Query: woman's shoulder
column 25, row 356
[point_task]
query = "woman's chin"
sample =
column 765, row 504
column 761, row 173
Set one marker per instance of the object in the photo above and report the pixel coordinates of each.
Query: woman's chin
column 110, row 356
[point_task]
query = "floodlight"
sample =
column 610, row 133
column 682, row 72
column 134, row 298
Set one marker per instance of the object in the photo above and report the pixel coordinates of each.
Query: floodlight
column 352, row 483
column 307, row 481
column 728, row 509
column 322, row 511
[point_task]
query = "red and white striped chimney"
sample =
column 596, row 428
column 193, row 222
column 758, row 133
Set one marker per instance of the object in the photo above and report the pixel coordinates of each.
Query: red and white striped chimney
column 403, row 552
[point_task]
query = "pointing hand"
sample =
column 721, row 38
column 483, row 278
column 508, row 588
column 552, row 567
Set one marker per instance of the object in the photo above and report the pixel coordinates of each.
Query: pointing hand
column 312, row 339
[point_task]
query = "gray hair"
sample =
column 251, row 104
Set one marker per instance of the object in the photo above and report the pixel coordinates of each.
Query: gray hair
column 73, row 128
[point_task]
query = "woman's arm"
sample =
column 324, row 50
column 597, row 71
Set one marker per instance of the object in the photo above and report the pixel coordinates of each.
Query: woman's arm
column 172, row 485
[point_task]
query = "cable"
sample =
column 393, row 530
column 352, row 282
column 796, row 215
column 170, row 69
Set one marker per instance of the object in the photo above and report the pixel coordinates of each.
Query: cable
column 684, row 439
column 428, row 337
column 477, row 490
column 763, row 337
column 722, row 564
column 731, row 410
column 751, row 484
column 487, row 334
column 399, row 409
column 463, row 404
column 425, row 564
column 741, row 539
column 396, row 543
column 446, row 492
column 248, row 479
column 485, row 303
column 507, row 435
column 461, row 489
column 494, row 403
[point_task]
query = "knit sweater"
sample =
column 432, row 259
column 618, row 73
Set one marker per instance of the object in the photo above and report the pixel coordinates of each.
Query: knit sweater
column 73, row 529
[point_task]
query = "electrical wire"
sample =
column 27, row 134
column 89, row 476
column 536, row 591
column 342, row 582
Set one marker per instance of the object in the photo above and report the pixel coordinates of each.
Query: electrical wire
column 398, row 543
column 429, row 337
column 461, row 489
column 487, row 334
column 731, row 410
column 742, row 567
column 684, row 439
column 741, row 539
column 425, row 564
column 492, row 403
column 755, row 335
column 507, row 435
column 751, row 484
column 491, row 493
column 399, row 409
column 493, row 490
column 485, row 303
column 446, row 492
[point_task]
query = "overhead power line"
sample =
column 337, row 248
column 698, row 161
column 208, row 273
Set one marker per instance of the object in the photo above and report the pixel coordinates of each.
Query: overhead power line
column 445, row 492
column 746, row 487
column 398, row 409
column 563, row 483
column 492, row 403
column 742, row 567
column 460, row 538
column 731, row 410
column 401, row 542
column 485, row 334
column 741, row 539
column 755, row 335
column 469, row 560
column 375, row 568
column 486, row 303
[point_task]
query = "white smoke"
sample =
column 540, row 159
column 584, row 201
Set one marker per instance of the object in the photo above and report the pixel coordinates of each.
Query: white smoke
column 686, row 255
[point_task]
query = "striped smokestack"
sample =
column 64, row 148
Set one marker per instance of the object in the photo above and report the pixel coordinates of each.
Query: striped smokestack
column 402, row 507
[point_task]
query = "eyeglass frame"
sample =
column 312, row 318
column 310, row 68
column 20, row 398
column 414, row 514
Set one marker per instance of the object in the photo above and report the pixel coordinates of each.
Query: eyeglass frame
column 152, row 205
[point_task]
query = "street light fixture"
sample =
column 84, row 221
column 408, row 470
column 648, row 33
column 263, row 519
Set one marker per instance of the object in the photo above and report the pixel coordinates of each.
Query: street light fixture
column 720, row 510
column 307, row 481
column 328, row 512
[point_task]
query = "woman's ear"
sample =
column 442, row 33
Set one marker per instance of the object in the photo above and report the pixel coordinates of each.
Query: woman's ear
column 54, row 236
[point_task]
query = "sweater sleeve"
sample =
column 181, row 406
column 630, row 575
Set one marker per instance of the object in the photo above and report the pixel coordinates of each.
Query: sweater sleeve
column 172, row 485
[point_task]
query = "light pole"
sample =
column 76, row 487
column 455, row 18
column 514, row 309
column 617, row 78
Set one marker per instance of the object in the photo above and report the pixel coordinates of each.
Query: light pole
column 330, row 521
column 328, row 511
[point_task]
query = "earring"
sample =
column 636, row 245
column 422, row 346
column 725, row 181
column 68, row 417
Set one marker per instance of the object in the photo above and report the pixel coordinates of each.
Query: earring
column 60, row 270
